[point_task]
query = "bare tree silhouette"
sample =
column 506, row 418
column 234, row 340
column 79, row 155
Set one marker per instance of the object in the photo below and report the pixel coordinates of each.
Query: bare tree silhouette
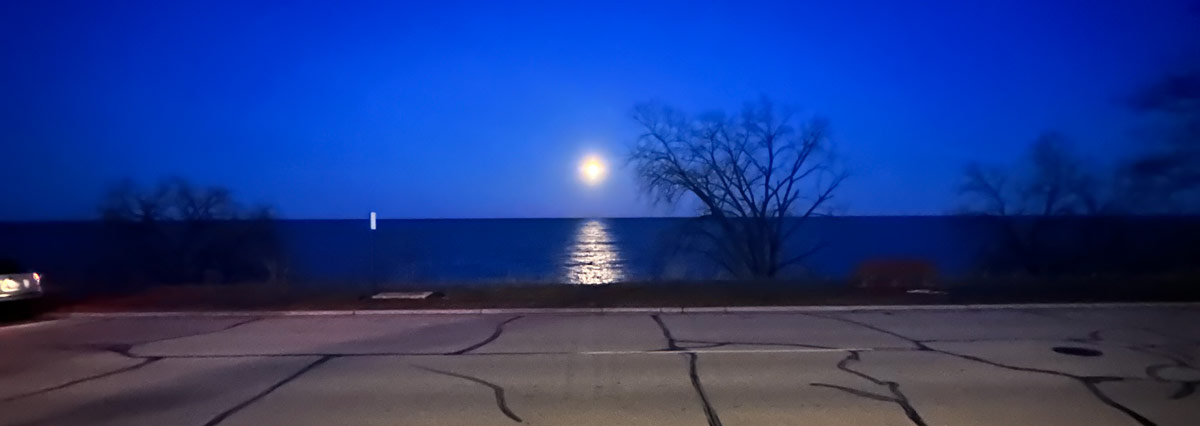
column 1027, row 201
column 1165, row 178
column 1053, row 181
column 756, row 176
column 179, row 232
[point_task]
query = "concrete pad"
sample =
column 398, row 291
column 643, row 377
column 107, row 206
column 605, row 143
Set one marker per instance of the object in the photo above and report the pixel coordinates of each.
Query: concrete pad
column 969, row 325
column 768, row 329
column 577, row 390
column 336, row 335
column 166, row 392
column 578, row 333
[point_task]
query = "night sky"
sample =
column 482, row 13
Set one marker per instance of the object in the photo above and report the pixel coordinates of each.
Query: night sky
column 443, row 110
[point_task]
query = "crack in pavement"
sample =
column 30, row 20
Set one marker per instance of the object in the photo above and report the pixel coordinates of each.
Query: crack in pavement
column 1142, row 329
column 1185, row 390
column 713, row 344
column 495, row 335
column 202, row 333
column 1089, row 382
column 1093, row 385
column 898, row 397
column 498, row 391
column 701, row 345
column 1186, row 387
column 709, row 411
column 122, row 349
column 227, row 413
column 145, row 362
column 693, row 373
column 125, row 349
column 672, row 344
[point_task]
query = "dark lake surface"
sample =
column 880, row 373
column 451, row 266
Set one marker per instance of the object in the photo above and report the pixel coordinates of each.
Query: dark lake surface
column 580, row 251
column 593, row 251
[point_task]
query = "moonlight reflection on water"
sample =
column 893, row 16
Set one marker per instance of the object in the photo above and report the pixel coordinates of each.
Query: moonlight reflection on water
column 594, row 258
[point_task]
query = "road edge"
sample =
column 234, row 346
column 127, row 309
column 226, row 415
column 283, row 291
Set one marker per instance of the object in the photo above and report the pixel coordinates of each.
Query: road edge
column 625, row 310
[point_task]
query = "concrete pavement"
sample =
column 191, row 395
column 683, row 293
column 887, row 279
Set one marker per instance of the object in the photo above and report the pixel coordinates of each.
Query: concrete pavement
column 883, row 367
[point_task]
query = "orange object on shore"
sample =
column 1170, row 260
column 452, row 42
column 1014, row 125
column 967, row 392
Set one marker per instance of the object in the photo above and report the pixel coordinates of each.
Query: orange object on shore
column 896, row 274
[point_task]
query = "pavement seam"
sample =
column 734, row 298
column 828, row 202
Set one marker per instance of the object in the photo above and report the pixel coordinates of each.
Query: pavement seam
column 495, row 335
column 143, row 363
column 497, row 390
column 235, row 409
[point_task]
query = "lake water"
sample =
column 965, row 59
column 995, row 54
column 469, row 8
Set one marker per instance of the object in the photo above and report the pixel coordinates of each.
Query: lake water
column 583, row 251
column 597, row 251
column 578, row 251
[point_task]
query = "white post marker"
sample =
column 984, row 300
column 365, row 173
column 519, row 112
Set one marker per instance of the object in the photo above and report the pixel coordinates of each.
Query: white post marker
column 372, row 221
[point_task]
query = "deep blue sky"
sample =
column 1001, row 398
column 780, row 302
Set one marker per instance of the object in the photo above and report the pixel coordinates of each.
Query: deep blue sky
column 484, row 110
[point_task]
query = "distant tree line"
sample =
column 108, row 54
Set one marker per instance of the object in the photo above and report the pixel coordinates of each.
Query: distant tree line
column 756, row 176
column 179, row 232
column 1057, row 214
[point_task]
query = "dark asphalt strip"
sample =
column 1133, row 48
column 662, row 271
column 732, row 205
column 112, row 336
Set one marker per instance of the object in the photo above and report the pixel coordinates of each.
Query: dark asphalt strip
column 495, row 335
column 224, row 415
column 709, row 411
column 145, row 362
column 496, row 390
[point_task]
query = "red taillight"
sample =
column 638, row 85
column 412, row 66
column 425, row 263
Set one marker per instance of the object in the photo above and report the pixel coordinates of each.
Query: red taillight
column 37, row 276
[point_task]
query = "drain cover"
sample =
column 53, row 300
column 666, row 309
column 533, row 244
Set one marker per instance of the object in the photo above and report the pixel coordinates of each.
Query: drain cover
column 1077, row 351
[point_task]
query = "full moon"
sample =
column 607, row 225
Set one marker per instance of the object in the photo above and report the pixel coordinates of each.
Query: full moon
column 592, row 170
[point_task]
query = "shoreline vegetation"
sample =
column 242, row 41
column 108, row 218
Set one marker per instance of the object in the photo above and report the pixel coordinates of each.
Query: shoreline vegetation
column 260, row 296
